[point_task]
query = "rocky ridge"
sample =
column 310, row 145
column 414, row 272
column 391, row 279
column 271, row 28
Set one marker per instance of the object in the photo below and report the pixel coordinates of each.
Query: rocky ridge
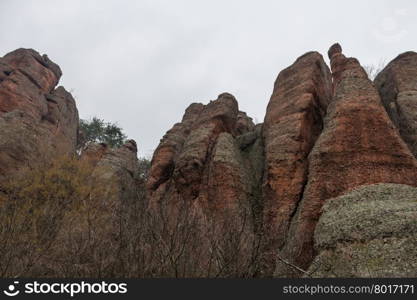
column 325, row 133
column 335, row 149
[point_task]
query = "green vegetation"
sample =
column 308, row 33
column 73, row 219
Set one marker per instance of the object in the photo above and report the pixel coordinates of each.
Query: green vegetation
column 98, row 131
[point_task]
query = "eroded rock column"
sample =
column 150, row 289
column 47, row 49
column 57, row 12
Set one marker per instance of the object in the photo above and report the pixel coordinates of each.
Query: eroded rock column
column 292, row 124
column 359, row 145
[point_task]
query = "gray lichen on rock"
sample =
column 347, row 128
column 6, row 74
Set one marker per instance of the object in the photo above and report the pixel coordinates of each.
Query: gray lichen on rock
column 368, row 232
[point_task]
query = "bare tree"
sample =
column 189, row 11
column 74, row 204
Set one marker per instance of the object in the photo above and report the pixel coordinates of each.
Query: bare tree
column 374, row 70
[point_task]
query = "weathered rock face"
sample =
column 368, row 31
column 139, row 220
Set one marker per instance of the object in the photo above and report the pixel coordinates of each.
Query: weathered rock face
column 292, row 124
column 324, row 134
column 37, row 120
column 199, row 159
column 397, row 85
column 368, row 232
column 358, row 146
column 114, row 171
column 207, row 171
column 325, row 184
column 168, row 150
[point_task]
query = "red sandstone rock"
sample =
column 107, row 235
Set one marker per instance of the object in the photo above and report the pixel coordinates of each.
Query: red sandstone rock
column 171, row 144
column 208, row 169
column 292, row 124
column 200, row 161
column 184, row 153
column 218, row 116
column 37, row 121
column 359, row 145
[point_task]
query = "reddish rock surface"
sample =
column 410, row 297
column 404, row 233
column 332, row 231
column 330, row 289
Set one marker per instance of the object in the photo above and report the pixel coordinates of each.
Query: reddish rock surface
column 359, row 145
column 262, row 186
column 170, row 146
column 181, row 164
column 115, row 171
column 397, row 85
column 37, row 120
column 292, row 124
column 208, row 169
column 323, row 135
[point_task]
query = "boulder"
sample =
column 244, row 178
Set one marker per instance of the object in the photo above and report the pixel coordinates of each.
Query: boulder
column 369, row 232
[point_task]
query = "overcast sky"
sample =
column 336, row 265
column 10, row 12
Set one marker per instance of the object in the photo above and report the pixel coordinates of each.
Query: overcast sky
column 141, row 63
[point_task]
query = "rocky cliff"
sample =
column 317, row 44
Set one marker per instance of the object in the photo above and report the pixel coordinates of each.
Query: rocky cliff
column 326, row 132
column 325, row 186
column 38, row 121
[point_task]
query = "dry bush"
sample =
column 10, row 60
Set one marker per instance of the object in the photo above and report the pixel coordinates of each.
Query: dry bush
column 189, row 243
column 32, row 207
column 59, row 221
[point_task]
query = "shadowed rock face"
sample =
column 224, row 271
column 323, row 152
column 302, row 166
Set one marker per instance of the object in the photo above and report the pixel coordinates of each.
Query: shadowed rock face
column 358, row 146
column 397, row 86
column 37, row 120
column 218, row 116
column 292, row 124
column 169, row 148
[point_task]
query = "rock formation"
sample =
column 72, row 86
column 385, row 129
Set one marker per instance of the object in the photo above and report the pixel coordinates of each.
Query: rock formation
column 324, row 134
column 326, row 184
column 293, row 122
column 199, row 160
column 114, row 171
column 368, row 232
column 397, row 85
column 358, row 146
column 208, row 170
column 37, row 120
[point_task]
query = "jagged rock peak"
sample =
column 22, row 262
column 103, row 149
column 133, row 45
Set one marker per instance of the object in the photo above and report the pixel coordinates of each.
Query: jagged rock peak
column 334, row 49
column 357, row 146
column 30, row 62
